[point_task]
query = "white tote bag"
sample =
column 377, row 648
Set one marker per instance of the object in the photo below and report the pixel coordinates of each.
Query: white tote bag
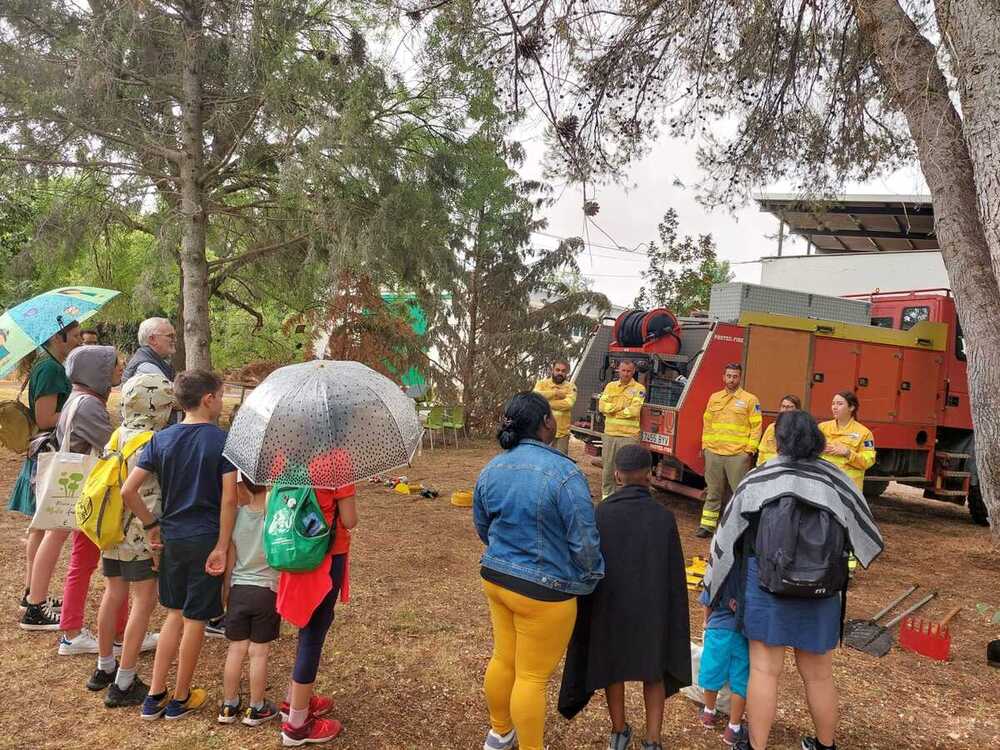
column 60, row 479
column 695, row 692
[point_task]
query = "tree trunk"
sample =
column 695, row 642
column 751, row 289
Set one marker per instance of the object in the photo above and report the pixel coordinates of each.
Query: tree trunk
column 972, row 33
column 194, row 264
column 468, row 371
column 910, row 70
column 180, row 358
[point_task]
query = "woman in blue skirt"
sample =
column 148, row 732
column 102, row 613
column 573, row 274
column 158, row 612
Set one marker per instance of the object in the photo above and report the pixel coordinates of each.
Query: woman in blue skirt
column 772, row 623
column 48, row 389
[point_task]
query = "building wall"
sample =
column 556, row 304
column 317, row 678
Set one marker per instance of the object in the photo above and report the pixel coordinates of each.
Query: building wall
column 856, row 273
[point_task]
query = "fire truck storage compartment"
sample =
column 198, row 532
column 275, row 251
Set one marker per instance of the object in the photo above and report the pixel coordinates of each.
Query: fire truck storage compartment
column 769, row 377
column 878, row 382
column 918, row 386
column 834, row 368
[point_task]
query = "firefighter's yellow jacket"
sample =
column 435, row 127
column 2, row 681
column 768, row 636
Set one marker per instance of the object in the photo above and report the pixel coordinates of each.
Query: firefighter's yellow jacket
column 768, row 445
column 621, row 407
column 732, row 423
column 861, row 442
column 561, row 398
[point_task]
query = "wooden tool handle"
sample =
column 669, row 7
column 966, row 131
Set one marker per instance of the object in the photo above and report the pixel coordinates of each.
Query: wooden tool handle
column 947, row 618
column 895, row 620
column 894, row 602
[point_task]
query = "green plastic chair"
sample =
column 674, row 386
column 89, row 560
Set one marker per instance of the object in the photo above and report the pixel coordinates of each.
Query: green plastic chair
column 454, row 420
column 434, row 422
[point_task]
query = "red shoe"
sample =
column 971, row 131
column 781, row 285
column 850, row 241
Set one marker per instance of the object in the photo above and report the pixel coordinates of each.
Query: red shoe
column 319, row 705
column 313, row 732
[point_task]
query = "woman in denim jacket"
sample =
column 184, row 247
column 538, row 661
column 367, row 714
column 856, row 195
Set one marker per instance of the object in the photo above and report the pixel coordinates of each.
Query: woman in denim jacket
column 533, row 511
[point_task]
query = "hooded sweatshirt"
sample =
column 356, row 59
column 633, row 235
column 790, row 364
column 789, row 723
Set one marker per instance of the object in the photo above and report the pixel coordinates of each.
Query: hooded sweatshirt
column 147, row 401
column 89, row 369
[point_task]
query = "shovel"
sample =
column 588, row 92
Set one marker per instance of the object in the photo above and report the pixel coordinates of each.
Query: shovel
column 853, row 626
column 876, row 639
column 927, row 638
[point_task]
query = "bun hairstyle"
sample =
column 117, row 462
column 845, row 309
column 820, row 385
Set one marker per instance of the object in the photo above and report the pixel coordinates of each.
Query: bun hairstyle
column 798, row 435
column 522, row 417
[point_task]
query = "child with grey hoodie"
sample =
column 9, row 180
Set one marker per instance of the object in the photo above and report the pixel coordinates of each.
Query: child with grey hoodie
column 84, row 427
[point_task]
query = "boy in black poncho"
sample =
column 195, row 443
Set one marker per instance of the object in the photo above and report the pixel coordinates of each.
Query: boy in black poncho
column 634, row 627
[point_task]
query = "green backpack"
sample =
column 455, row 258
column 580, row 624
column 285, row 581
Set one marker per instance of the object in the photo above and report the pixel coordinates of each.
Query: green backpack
column 296, row 534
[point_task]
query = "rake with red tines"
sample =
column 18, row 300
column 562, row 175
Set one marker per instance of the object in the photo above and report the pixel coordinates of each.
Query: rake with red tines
column 928, row 638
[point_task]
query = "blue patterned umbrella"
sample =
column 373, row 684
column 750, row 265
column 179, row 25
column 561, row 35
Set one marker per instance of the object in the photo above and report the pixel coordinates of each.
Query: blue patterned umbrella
column 30, row 324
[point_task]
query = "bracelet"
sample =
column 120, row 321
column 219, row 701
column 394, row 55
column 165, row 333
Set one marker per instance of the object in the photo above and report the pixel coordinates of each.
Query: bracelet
column 151, row 525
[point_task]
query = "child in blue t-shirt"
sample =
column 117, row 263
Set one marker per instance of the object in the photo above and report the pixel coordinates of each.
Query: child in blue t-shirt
column 725, row 657
column 199, row 511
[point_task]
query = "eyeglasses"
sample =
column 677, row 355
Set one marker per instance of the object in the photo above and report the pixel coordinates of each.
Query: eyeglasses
column 172, row 336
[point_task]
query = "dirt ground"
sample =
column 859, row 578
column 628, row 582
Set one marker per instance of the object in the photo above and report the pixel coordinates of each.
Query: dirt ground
column 405, row 658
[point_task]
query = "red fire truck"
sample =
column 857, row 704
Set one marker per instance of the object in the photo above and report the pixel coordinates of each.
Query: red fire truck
column 907, row 367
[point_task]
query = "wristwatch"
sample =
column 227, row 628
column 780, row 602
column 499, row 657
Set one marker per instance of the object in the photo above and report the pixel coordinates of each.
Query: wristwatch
column 151, row 525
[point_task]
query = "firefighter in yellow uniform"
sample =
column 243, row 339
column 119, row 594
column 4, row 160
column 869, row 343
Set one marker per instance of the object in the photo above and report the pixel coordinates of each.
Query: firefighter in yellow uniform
column 561, row 395
column 621, row 404
column 850, row 445
column 730, row 436
column 768, row 448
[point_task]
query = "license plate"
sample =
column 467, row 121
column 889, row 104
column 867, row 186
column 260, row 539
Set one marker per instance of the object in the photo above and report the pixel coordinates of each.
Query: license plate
column 656, row 439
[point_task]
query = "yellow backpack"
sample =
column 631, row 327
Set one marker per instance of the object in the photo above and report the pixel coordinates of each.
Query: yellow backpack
column 100, row 511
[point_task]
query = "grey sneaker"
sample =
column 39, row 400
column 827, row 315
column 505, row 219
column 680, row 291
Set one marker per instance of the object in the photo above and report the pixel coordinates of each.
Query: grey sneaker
column 647, row 745
column 620, row 740
column 214, row 628
column 496, row 741
column 731, row 736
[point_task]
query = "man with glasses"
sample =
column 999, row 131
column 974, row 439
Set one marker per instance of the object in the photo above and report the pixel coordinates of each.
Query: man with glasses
column 157, row 343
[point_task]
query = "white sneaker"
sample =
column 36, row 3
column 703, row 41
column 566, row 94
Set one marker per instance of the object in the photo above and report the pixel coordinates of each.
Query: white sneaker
column 148, row 644
column 84, row 643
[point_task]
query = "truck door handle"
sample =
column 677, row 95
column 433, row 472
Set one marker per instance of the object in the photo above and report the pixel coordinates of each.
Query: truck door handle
column 905, row 385
column 862, row 382
column 818, row 377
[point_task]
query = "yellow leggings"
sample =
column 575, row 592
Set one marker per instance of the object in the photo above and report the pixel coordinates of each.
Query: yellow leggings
column 529, row 639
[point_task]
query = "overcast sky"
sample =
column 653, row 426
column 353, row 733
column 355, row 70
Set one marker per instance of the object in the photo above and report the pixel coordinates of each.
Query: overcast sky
column 630, row 216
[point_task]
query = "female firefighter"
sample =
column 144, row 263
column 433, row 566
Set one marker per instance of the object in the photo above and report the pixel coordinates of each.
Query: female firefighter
column 768, row 445
column 849, row 444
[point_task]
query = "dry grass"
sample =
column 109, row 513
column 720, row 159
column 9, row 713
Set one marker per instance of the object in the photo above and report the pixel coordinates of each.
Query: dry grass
column 406, row 657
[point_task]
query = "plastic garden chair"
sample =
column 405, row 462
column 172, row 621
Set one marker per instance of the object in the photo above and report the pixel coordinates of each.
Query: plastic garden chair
column 434, row 421
column 454, row 420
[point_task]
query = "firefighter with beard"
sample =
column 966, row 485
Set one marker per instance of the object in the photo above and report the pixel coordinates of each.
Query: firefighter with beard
column 561, row 395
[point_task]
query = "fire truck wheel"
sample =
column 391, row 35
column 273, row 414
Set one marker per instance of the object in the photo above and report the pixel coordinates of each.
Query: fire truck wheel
column 875, row 490
column 977, row 508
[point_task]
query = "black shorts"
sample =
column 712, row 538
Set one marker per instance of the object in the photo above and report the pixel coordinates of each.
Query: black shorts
column 131, row 571
column 184, row 584
column 252, row 614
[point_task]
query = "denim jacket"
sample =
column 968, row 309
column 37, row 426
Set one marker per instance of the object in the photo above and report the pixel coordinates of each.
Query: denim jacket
column 533, row 511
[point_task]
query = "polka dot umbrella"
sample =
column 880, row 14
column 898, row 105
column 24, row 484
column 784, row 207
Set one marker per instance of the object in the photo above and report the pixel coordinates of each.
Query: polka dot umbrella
column 324, row 424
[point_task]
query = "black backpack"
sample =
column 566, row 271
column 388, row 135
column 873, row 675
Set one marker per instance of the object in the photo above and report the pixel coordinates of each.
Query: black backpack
column 801, row 550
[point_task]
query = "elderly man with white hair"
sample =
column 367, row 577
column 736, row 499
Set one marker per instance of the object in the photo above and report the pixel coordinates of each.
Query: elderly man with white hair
column 157, row 343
